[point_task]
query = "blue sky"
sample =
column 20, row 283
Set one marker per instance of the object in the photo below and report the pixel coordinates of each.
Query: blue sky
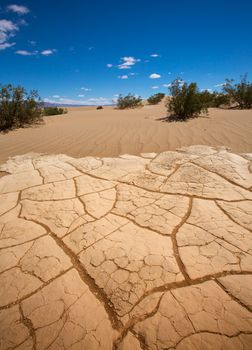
column 87, row 52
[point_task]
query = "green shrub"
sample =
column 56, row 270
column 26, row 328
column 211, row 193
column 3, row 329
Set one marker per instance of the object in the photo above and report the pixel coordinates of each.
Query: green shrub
column 155, row 99
column 186, row 101
column 214, row 99
column 99, row 107
column 241, row 93
column 54, row 111
column 18, row 107
column 206, row 98
column 129, row 101
column 220, row 99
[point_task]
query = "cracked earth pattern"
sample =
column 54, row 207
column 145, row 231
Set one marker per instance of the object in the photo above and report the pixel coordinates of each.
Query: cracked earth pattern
column 130, row 253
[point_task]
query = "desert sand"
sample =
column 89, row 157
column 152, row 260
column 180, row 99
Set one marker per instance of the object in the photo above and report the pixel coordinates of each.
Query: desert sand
column 127, row 253
column 85, row 131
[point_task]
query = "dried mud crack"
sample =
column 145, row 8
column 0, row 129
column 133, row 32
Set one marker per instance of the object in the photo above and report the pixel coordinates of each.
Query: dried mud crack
column 135, row 252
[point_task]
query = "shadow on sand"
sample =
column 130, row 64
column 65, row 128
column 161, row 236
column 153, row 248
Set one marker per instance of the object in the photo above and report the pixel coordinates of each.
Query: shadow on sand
column 36, row 124
column 176, row 119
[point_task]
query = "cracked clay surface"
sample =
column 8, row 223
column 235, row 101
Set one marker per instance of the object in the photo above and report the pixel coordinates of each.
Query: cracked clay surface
column 137, row 252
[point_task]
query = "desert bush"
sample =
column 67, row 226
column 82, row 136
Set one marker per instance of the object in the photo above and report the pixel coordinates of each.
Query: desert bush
column 214, row 99
column 54, row 111
column 155, row 99
column 18, row 107
column 99, row 107
column 240, row 93
column 206, row 98
column 128, row 101
column 220, row 100
column 186, row 101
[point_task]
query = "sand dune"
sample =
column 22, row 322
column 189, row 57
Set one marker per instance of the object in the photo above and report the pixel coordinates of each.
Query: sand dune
column 109, row 132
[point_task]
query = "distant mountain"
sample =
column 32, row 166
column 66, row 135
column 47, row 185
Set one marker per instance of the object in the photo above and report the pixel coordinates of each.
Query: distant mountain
column 48, row 104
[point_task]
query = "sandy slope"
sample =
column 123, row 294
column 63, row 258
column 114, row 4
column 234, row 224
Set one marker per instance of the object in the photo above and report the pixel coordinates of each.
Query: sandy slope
column 109, row 132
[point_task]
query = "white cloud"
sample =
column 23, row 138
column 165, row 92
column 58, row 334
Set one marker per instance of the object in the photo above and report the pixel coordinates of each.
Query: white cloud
column 155, row 87
column 85, row 89
column 122, row 66
column 63, row 101
column 83, row 102
column 123, row 76
column 21, row 10
column 167, row 85
column 81, row 95
column 3, row 37
column 128, row 62
column 33, row 53
column 56, row 96
column 7, row 26
column 6, row 46
column 98, row 99
column 48, row 52
column 154, row 55
column 181, row 82
column 7, row 30
column 26, row 53
column 220, row 85
column 109, row 65
column 154, row 76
